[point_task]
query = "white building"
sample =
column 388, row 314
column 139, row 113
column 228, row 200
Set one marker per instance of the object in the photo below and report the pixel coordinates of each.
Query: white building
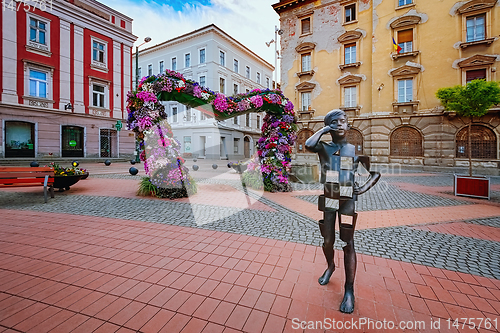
column 222, row 64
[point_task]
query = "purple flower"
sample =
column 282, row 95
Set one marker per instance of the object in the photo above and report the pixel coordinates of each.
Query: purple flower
column 289, row 106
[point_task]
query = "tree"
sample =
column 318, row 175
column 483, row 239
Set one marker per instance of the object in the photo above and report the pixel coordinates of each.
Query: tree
column 472, row 100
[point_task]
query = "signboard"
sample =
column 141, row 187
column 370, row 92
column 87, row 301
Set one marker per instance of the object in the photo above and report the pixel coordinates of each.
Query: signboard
column 477, row 187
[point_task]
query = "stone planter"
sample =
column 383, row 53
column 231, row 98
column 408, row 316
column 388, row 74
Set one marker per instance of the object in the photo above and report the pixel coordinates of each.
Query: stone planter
column 475, row 186
column 64, row 182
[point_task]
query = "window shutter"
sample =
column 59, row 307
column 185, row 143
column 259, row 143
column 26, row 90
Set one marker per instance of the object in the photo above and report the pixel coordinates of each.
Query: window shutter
column 405, row 36
column 306, row 25
column 476, row 74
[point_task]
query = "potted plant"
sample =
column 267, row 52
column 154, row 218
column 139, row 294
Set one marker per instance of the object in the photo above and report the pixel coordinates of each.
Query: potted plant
column 472, row 100
column 66, row 177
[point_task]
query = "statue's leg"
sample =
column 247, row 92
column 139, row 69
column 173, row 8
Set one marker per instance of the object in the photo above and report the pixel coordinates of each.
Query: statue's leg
column 347, row 235
column 327, row 228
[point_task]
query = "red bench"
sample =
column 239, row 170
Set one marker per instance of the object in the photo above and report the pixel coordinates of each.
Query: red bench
column 28, row 176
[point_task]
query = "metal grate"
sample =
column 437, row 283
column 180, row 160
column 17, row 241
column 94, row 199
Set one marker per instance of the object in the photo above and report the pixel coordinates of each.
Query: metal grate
column 406, row 141
column 355, row 138
column 301, row 140
column 108, row 143
column 483, row 141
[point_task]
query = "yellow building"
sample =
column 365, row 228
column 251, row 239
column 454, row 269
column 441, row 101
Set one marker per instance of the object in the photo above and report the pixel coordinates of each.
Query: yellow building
column 342, row 54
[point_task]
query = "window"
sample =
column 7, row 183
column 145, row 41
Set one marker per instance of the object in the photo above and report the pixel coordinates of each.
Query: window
column 139, row 72
column 247, row 120
column 150, row 70
column 174, row 114
column 406, row 141
column 235, row 120
column 222, row 58
column 350, row 53
column 161, row 67
column 222, row 85
column 476, row 28
column 188, row 114
column 350, row 13
column 258, row 122
column 483, row 143
column 98, row 51
column 187, row 144
column 236, row 144
column 38, row 84
column 235, row 66
column 350, row 97
column 235, row 89
column 174, row 64
column 202, row 56
column 258, row 77
column 38, row 31
column 247, row 72
column 305, row 25
column 98, row 96
column 477, row 74
column 187, row 60
column 202, row 81
column 72, row 141
column 306, row 62
column 405, row 40
column 405, row 90
column 267, row 83
column 19, row 139
column 404, row 2
column 306, row 101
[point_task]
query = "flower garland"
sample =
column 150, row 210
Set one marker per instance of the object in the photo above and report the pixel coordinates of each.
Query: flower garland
column 145, row 112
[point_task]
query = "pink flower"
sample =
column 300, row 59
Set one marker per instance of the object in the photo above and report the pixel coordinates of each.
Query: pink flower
column 257, row 101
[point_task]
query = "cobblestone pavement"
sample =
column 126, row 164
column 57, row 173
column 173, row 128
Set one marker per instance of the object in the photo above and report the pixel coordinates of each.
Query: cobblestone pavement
column 474, row 256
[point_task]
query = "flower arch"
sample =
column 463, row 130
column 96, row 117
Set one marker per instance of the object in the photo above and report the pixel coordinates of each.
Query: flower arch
column 146, row 115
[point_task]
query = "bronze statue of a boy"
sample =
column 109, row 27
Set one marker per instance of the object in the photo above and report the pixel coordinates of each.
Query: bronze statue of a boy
column 339, row 159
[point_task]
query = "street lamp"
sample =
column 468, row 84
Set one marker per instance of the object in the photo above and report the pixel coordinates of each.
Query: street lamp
column 146, row 40
column 276, row 52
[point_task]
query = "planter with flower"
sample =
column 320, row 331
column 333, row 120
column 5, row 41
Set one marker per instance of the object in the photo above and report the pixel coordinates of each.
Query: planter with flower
column 66, row 177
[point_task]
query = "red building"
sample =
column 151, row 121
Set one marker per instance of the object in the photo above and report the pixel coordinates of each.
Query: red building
column 66, row 70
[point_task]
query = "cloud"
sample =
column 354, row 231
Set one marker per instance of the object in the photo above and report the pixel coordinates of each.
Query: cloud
column 250, row 22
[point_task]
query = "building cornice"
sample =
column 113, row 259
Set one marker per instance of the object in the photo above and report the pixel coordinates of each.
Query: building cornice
column 285, row 5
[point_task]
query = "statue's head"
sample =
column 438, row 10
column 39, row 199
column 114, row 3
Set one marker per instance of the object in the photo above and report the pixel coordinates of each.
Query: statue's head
column 337, row 120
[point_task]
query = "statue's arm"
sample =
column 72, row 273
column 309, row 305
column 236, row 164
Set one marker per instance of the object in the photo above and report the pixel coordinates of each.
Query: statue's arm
column 372, row 180
column 312, row 143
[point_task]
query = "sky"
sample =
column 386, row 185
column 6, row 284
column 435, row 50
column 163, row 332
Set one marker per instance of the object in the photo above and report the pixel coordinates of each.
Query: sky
column 251, row 22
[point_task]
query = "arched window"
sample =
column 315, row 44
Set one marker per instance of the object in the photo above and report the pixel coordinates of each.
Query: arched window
column 483, row 141
column 355, row 138
column 406, row 141
column 301, row 140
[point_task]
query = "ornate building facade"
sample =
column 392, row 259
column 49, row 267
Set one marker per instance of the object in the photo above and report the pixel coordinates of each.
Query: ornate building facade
column 382, row 61
column 66, row 71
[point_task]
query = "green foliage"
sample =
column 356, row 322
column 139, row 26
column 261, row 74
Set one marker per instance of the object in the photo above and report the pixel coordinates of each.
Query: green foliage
column 146, row 188
column 471, row 100
column 252, row 179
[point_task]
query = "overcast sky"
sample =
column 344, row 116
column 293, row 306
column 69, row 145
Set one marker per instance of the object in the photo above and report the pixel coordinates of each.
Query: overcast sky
column 251, row 22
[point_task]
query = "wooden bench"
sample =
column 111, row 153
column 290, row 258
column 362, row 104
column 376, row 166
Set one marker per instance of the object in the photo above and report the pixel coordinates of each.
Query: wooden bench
column 28, row 176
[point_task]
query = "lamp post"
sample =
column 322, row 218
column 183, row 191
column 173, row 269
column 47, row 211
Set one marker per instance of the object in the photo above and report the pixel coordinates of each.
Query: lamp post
column 276, row 52
column 146, row 40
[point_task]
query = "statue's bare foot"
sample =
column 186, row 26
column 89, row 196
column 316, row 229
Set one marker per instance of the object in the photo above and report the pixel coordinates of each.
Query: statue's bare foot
column 347, row 305
column 325, row 278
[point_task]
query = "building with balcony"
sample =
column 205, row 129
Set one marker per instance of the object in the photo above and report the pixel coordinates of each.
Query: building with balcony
column 65, row 75
column 383, row 62
column 222, row 64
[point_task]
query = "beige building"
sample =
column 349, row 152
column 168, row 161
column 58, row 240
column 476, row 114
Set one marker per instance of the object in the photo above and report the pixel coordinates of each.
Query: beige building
column 342, row 54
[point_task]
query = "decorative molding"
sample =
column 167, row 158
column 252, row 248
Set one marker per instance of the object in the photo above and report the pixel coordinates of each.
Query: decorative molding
column 405, row 21
column 405, row 70
column 99, row 80
column 99, row 112
column 486, row 41
column 399, row 108
column 41, row 65
column 305, row 47
column 349, row 36
column 395, row 56
column 477, row 60
column 354, row 64
column 349, row 79
column 306, row 13
column 311, row 72
column 475, row 5
column 304, row 86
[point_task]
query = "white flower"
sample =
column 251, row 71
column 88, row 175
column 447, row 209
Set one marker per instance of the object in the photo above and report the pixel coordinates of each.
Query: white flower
column 205, row 95
column 181, row 84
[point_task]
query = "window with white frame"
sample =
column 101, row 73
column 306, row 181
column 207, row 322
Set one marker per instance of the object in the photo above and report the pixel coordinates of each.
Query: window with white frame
column 258, row 122
column 202, row 56
column 306, row 101
column 350, row 97
column 247, row 120
column 268, row 83
column 350, row 13
column 187, row 60
column 405, row 40
column 202, row 80
column 350, row 53
column 98, row 95
column 235, row 89
column 236, row 145
column 306, row 62
column 405, row 90
column 404, row 2
column 139, row 72
column 174, row 64
column 236, row 66
column 247, row 72
column 38, row 31
column 98, row 51
column 222, row 85
column 162, row 67
column 174, row 114
column 222, row 58
column 150, row 70
column 235, row 120
column 38, row 83
column 258, row 77
column 476, row 28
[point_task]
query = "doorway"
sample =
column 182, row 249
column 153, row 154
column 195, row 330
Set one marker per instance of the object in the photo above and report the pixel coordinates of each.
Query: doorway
column 109, row 143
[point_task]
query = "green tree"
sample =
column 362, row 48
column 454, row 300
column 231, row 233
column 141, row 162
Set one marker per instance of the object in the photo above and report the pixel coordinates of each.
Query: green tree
column 472, row 100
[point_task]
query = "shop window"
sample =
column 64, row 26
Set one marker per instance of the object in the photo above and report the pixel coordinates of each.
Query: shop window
column 19, row 139
column 72, row 141
column 406, row 141
column 483, row 143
